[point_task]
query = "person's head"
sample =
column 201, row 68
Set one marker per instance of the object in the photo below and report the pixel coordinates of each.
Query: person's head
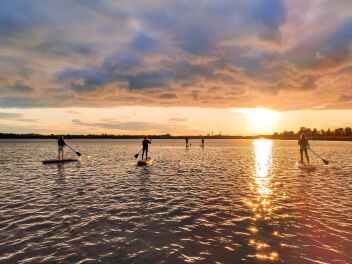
column 145, row 137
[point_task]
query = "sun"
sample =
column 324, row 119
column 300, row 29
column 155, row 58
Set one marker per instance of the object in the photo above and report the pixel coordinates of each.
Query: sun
column 261, row 120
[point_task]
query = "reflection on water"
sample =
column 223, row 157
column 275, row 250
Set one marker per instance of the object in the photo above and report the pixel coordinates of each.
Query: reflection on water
column 263, row 160
column 261, row 203
column 235, row 201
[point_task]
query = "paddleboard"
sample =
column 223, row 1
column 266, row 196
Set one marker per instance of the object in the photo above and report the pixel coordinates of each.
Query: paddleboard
column 145, row 162
column 54, row 161
column 307, row 167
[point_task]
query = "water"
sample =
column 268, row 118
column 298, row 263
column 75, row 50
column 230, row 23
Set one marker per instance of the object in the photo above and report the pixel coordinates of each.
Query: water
column 235, row 201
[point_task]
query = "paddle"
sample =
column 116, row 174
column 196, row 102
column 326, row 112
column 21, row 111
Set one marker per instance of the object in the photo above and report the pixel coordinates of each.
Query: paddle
column 136, row 156
column 77, row 153
column 326, row 162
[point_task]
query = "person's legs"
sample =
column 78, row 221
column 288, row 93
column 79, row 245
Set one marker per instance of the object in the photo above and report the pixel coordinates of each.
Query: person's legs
column 60, row 154
column 143, row 153
column 301, row 152
column 146, row 153
column 307, row 156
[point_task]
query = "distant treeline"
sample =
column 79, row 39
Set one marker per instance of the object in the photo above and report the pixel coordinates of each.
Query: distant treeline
column 109, row 136
column 69, row 136
column 329, row 134
column 339, row 134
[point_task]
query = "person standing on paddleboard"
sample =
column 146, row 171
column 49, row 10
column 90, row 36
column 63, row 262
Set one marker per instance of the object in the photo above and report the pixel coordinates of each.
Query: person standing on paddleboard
column 61, row 144
column 145, row 144
column 304, row 145
column 202, row 142
column 186, row 139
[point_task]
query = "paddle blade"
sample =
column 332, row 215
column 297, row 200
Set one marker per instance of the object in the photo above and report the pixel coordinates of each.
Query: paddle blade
column 326, row 162
column 136, row 156
column 78, row 154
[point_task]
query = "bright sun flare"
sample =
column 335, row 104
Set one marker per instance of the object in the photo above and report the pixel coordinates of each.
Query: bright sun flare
column 261, row 120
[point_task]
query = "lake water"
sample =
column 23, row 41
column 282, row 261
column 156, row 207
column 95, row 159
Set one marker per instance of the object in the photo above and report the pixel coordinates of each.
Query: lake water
column 235, row 201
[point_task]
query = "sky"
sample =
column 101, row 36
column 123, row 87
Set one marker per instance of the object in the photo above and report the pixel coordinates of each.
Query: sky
column 181, row 67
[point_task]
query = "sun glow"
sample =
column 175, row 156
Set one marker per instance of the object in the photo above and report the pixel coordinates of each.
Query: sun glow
column 260, row 120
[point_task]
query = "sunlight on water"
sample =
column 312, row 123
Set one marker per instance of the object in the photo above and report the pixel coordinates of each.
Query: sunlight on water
column 263, row 160
column 261, row 205
column 233, row 201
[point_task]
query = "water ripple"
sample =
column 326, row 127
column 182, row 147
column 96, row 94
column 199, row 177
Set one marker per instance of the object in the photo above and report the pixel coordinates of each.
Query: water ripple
column 234, row 201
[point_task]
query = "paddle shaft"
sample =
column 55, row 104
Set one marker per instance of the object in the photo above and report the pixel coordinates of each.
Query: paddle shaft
column 317, row 155
column 137, row 154
column 77, row 153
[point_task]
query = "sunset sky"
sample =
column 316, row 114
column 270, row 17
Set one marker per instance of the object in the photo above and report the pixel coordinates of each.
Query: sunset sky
column 180, row 67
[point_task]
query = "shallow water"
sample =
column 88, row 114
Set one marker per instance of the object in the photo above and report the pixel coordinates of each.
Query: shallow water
column 235, row 201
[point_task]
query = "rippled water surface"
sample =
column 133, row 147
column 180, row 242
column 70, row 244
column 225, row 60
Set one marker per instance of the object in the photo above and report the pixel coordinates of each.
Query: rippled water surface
column 232, row 202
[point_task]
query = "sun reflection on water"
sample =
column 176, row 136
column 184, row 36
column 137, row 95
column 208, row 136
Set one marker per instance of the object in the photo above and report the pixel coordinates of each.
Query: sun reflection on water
column 263, row 160
column 261, row 205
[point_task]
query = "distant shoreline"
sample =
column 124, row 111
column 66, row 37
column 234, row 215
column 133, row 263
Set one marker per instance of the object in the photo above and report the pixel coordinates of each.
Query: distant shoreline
column 166, row 136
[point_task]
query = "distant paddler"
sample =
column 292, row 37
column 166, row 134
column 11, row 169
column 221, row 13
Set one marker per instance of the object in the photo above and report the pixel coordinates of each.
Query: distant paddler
column 304, row 146
column 61, row 144
column 203, row 142
column 187, row 142
column 145, row 146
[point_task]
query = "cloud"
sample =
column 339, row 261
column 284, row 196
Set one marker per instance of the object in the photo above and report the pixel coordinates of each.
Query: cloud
column 168, row 96
column 17, row 88
column 73, row 112
column 346, row 98
column 338, row 45
column 55, row 48
column 25, row 102
column 277, row 53
column 9, row 115
column 178, row 119
column 138, row 127
column 145, row 43
column 15, row 117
